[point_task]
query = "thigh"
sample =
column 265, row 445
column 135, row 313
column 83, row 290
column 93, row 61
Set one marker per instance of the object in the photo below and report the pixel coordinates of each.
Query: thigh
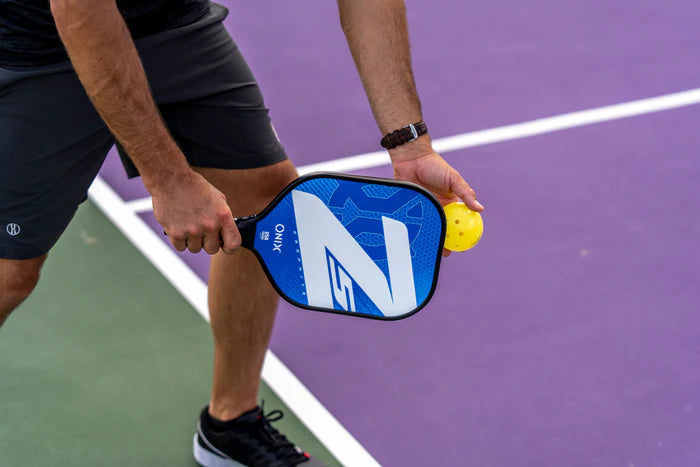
column 52, row 144
column 249, row 191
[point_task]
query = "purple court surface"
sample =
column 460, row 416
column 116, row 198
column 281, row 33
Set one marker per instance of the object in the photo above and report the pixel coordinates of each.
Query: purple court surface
column 571, row 335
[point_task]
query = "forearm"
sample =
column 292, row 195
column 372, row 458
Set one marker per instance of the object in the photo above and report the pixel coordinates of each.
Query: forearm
column 107, row 63
column 377, row 33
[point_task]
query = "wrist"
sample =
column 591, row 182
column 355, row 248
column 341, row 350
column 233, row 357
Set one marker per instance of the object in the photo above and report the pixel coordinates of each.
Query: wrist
column 158, row 179
column 160, row 161
column 419, row 147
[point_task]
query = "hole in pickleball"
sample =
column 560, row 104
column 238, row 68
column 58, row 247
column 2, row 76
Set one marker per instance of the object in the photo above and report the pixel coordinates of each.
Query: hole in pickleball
column 456, row 221
column 461, row 234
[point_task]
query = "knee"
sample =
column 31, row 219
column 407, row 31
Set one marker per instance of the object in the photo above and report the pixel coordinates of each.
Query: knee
column 21, row 283
column 17, row 280
column 267, row 184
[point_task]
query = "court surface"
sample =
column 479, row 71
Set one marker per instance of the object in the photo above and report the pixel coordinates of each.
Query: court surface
column 569, row 337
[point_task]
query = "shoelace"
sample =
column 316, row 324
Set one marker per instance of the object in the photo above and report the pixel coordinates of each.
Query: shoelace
column 283, row 447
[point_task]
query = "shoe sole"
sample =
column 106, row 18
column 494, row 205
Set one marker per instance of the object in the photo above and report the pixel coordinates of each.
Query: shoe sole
column 206, row 458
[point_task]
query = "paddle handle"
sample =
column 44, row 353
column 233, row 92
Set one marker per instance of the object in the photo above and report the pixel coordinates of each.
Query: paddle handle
column 246, row 226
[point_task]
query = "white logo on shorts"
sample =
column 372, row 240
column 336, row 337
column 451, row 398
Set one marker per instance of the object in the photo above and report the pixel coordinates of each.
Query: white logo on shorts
column 13, row 229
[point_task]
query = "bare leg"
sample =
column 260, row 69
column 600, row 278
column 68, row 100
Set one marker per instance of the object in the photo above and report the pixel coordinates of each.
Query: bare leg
column 242, row 303
column 17, row 280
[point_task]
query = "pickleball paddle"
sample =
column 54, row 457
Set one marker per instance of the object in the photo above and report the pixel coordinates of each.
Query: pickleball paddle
column 349, row 244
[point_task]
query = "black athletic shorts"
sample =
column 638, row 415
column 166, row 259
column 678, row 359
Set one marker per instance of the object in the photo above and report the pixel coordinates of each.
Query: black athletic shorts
column 52, row 141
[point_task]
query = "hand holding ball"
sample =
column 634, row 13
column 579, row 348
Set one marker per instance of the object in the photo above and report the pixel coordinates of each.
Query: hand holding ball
column 464, row 227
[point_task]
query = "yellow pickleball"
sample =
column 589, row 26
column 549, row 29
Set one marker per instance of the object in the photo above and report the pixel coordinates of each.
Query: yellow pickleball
column 464, row 227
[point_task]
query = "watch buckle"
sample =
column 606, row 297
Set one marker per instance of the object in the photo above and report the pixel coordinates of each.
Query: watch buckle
column 414, row 132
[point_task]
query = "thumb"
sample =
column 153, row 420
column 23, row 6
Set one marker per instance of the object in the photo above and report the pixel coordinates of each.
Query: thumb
column 462, row 189
column 230, row 236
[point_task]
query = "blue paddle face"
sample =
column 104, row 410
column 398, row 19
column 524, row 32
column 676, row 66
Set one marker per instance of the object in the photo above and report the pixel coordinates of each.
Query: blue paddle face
column 352, row 245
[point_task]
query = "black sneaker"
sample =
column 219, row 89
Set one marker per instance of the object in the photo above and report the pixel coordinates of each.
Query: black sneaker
column 248, row 441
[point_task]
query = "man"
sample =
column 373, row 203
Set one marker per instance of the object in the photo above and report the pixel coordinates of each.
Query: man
column 165, row 80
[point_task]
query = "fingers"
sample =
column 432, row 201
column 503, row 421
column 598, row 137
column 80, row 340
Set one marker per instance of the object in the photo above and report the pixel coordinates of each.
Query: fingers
column 211, row 243
column 211, row 239
column 462, row 189
column 446, row 252
column 178, row 239
column 194, row 240
column 230, row 236
column 227, row 240
column 214, row 237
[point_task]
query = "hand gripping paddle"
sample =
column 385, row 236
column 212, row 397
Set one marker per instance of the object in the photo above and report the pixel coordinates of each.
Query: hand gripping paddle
column 348, row 244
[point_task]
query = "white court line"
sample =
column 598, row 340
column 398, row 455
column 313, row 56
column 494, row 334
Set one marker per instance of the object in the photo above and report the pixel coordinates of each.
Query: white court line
column 141, row 204
column 521, row 130
column 286, row 385
column 501, row 133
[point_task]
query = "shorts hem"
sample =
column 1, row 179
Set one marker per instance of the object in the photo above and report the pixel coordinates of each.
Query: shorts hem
column 20, row 252
column 239, row 162
column 216, row 161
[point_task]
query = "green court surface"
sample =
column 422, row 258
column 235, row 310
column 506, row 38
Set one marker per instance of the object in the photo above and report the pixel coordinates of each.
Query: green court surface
column 106, row 364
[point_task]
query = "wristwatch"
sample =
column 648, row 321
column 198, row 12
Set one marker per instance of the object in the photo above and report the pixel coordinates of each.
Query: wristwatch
column 404, row 135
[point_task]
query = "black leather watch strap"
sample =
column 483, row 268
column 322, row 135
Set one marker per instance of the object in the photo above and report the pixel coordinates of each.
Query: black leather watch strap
column 404, row 135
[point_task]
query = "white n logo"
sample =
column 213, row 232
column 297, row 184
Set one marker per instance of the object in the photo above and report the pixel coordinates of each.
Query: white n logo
column 319, row 229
